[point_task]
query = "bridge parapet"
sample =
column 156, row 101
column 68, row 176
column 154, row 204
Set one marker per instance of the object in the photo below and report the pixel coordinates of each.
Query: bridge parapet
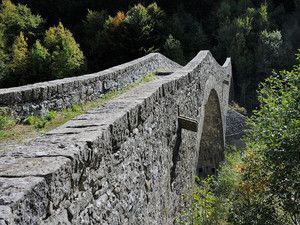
column 41, row 97
column 125, row 162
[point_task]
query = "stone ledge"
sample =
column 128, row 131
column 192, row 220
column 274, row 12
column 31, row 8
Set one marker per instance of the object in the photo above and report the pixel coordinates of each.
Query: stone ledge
column 38, row 98
column 112, row 165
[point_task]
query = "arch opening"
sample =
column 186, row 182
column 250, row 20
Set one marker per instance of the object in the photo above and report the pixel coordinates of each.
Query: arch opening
column 211, row 149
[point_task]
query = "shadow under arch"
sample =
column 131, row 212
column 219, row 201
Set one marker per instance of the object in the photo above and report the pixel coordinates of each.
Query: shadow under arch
column 211, row 149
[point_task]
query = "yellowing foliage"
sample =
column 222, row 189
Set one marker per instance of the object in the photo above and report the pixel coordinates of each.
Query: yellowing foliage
column 114, row 22
column 67, row 58
column 20, row 54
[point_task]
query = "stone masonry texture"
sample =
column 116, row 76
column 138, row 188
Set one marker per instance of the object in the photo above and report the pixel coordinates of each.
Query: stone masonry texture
column 126, row 162
column 59, row 94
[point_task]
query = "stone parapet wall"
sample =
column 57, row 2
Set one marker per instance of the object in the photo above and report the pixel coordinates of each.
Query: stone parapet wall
column 59, row 94
column 126, row 162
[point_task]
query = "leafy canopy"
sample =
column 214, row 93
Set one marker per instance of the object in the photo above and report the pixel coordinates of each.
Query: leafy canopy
column 67, row 58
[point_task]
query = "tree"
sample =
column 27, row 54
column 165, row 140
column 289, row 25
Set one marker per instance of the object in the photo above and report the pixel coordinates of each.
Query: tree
column 39, row 62
column 129, row 35
column 275, row 129
column 185, row 28
column 93, row 27
column 4, row 73
column 172, row 49
column 268, row 52
column 19, row 64
column 3, row 55
column 144, row 30
column 67, row 59
column 15, row 19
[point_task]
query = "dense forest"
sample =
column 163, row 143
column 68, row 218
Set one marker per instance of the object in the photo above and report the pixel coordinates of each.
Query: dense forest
column 42, row 40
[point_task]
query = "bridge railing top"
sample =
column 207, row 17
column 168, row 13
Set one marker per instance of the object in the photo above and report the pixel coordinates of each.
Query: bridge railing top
column 119, row 76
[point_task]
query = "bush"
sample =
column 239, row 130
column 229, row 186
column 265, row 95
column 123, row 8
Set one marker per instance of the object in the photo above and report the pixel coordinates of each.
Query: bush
column 76, row 108
column 31, row 120
column 200, row 204
column 51, row 115
column 5, row 120
column 40, row 122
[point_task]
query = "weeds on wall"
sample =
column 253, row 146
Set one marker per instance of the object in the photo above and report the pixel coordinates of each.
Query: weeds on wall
column 6, row 120
column 11, row 129
column 40, row 122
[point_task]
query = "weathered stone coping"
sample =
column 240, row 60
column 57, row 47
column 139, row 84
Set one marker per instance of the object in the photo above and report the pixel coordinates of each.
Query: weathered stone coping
column 52, row 178
column 38, row 98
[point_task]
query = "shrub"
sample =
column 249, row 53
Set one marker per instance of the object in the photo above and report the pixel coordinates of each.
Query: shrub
column 76, row 108
column 5, row 120
column 40, row 122
column 51, row 115
column 200, row 204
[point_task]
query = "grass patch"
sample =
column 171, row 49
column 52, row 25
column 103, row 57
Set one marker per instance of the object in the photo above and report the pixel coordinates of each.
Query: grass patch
column 32, row 126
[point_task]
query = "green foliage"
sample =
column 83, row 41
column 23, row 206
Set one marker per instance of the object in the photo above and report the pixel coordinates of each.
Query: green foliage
column 76, row 108
column 17, row 26
column 51, row 115
column 137, row 32
column 200, row 205
column 250, row 204
column 189, row 31
column 275, row 128
column 172, row 49
column 15, row 19
column 40, row 122
column 91, row 42
column 249, row 31
column 268, row 51
column 244, row 24
column 5, row 119
column 224, row 11
column 30, row 120
column 3, row 50
column 4, row 72
column 268, row 188
column 19, row 64
column 145, row 27
column 28, row 60
column 39, row 62
column 235, row 106
column 67, row 59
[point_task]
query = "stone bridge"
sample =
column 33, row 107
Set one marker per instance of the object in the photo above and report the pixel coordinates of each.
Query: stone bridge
column 126, row 162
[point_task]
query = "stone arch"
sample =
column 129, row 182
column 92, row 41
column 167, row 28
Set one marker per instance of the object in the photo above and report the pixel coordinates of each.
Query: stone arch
column 211, row 149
